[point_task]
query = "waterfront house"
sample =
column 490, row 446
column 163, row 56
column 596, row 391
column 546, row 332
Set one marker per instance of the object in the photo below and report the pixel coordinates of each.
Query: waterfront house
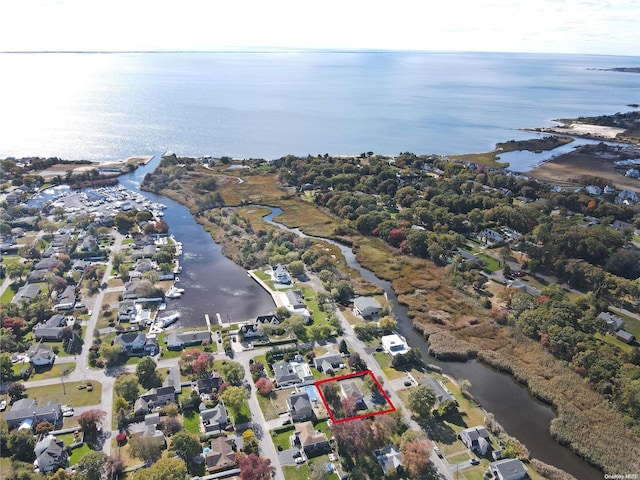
column 366, row 307
column 300, row 407
column 180, row 340
column 394, row 344
column 214, row 420
column 312, row 441
column 50, row 454
column 476, row 439
column 295, row 300
column 137, row 343
column 442, row 393
column 26, row 410
column 251, row 329
column 281, row 274
column 508, row 469
column 221, row 455
column 389, row 458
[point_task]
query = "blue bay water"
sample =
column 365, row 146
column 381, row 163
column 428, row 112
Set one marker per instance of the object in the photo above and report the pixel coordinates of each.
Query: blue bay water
column 110, row 106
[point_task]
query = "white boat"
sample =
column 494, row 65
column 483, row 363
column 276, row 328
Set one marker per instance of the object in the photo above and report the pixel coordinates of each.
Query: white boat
column 166, row 321
column 173, row 293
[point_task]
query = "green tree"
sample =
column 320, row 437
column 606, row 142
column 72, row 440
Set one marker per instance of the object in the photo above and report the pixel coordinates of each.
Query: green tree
column 110, row 353
column 146, row 449
column 91, row 466
column 6, row 367
column 387, row 324
column 249, row 442
column 232, row 372
column 296, row 268
column 168, row 468
column 147, row 373
column 127, row 386
column 21, row 444
column 187, row 446
column 421, row 400
column 234, row 397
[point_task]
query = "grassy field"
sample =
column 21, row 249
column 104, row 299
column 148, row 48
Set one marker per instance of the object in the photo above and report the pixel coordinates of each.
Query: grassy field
column 493, row 264
column 192, row 422
column 78, row 453
column 384, row 360
column 74, row 397
column 282, row 439
column 267, row 408
column 8, row 294
column 52, row 371
column 631, row 324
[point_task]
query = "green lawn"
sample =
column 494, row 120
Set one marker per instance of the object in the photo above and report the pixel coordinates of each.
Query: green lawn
column 73, row 396
column 299, row 472
column 192, row 422
column 282, row 439
column 611, row 340
column 631, row 325
column 493, row 264
column 78, row 453
column 474, row 473
column 244, row 415
column 52, row 371
column 267, row 408
column 461, row 457
column 384, row 361
column 8, row 294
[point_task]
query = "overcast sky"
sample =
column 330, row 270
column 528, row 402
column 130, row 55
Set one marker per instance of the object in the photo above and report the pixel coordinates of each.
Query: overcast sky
column 563, row 26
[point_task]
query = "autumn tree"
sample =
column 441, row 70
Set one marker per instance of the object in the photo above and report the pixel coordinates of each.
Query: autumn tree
column 415, row 457
column 171, row 426
column 114, row 466
column 234, row 397
column 249, row 442
column 264, row 386
column 202, row 364
column 90, row 419
column 253, row 467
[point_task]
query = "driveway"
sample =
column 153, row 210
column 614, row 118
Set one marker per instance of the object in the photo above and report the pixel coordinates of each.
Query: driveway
column 286, row 456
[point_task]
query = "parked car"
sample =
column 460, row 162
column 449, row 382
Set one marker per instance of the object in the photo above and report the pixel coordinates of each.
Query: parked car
column 3, row 405
column 287, row 422
column 438, row 452
column 67, row 413
column 407, row 383
column 297, row 455
column 474, row 461
column 300, row 460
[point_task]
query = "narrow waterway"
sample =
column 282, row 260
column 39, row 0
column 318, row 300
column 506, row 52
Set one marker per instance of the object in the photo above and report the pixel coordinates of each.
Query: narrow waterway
column 213, row 284
column 513, row 407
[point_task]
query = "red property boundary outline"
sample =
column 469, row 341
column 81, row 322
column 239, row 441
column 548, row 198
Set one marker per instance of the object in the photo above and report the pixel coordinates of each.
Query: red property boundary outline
column 351, row 375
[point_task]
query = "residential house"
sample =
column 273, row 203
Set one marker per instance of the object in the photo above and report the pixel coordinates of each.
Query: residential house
column 491, row 236
column 154, row 398
column 476, row 439
column 214, row 419
column 48, row 263
column 146, row 251
column 394, row 344
column 204, row 386
column 67, row 299
column 79, row 265
column 350, row 390
column 137, row 343
column 468, row 257
column 312, row 441
column 252, row 328
column 625, row 336
column 150, row 431
column 614, row 322
column 126, row 310
column 26, row 410
column 26, row 293
column 180, row 340
column 389, row 458
column 290, row 373
column 40, row 354
column 173, row 379
column 593, row 190
column 508, row 469
column 51, row 454
column 620, row 225
column 329, row 362
column 295, row 300
column 442, row 393
column 51, row 329
column 221, row 456
column 300, row 407
column 366, row 307
column 89, row 243
column 281, row 274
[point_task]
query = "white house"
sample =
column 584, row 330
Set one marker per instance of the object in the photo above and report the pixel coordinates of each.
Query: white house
column 394, row 344
column 280, row 274
column 476, row 439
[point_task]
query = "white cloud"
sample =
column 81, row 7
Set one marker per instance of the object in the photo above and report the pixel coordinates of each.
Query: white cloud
column 495, row 25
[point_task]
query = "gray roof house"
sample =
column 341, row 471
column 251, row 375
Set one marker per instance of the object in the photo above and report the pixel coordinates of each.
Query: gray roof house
column 328, row 361
column 281, row 274
column 366, row 307
column 67, row 299
column 508, row 469
column 389, row 458
column 214, row 419
column 300, row 407
column 26, row 293
column 625, row 336
column 154, row 398
column 26, row 409
column 50, row 454
column 442, row 393
column 204, row 386
column 476, row 439
column 40, row 354
column 51, row 329
column 126, row 310
column 137, row 343
column 179, row 340
column 614, row 322
column 290, row 373
column 295, row 299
